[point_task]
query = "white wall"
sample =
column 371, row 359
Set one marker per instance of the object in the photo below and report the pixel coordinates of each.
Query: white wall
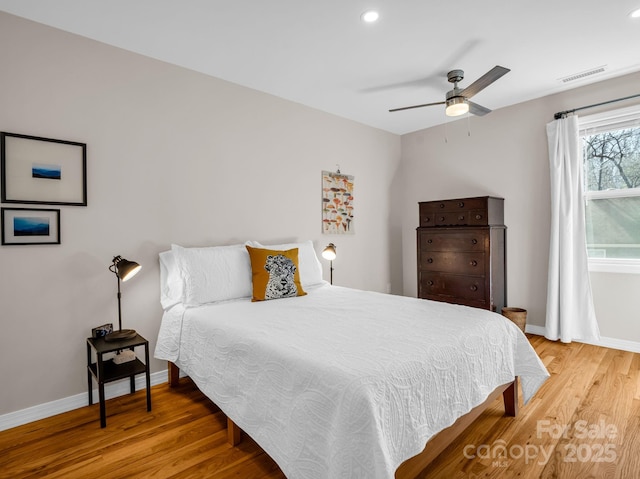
column 506, row 156
column 173, row 157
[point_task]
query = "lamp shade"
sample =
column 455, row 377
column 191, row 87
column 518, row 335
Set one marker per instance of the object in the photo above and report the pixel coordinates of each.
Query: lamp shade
column 126, row 269
column 329, row 252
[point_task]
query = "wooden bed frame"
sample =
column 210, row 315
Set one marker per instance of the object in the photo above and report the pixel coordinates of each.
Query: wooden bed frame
column 413, row 466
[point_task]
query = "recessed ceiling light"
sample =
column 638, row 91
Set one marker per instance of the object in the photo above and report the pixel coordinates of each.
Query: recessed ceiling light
column 370, row 16
column 635, row 13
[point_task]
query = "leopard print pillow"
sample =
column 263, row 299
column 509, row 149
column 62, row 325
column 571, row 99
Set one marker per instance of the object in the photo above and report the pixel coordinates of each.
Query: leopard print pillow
column 275, row 274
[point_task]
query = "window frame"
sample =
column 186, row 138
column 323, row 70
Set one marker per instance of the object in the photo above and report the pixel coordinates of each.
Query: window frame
column 598, row 123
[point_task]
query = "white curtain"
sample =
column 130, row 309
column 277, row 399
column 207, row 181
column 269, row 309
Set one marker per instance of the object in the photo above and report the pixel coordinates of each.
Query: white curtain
column 570, row 312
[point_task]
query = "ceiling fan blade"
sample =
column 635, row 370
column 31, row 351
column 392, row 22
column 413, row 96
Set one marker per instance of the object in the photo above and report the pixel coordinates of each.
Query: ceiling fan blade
column 484, row 81
column 478, row 110
column 417, row 106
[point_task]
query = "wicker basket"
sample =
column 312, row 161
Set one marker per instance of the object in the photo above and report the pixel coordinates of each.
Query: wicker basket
column 517, row 315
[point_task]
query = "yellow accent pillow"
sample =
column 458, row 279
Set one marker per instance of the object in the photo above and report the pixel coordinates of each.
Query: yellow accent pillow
column 275, row 274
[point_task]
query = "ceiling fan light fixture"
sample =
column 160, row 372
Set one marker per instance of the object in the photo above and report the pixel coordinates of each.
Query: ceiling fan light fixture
column 370, row 16
column 456, row 106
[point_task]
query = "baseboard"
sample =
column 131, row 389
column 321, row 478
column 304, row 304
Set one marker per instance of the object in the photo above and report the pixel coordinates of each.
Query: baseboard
column 41, row 411
column 612, row 343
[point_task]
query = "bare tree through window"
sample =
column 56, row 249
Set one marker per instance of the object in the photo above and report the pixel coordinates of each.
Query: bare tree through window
column 612, row 184
column 613, row 159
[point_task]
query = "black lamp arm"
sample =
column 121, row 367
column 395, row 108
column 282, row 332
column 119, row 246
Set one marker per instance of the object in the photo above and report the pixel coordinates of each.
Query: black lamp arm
column 114, row 270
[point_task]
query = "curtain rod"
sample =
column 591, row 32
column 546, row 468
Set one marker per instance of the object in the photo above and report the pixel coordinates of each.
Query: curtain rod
column 562, row 114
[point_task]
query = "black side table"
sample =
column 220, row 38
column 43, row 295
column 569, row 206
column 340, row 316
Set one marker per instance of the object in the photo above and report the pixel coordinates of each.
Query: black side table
column 107, row 371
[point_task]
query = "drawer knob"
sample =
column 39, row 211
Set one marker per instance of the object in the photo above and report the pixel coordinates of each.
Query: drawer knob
column 429, row 241
column 461, row 204
column 460, row 218
column 430, row 260
column 427, row 219
column 442, row 218
column 441, row 205
column 473, row 263
column 473, row 287
column 474, row 241
column 478, row 217
column 430, row 283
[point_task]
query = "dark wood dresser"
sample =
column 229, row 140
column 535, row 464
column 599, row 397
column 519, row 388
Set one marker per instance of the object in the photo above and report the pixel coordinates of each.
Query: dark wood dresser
column 461, row 252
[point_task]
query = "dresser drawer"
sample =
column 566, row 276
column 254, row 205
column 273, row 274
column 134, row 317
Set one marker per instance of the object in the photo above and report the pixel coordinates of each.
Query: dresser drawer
column 451, row 218
column 444, row 218
column 447, row 286
column 453, row 262
column 462, row 204
column 484, row 210
column 434, row 239
column 478, row 217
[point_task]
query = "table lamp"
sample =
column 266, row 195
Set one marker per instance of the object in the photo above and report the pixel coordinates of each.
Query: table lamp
column 330, row 253
column 124, row 270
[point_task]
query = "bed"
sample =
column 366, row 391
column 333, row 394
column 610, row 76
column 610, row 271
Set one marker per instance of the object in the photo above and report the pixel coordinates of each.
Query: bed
column 338, row 382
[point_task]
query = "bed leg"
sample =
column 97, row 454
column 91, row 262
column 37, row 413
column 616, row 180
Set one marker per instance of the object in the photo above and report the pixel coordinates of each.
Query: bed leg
column 174, row 374
column 234, row 433
column 510, row 397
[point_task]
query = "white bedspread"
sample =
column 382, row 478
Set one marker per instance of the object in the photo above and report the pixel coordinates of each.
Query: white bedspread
column 343, row 383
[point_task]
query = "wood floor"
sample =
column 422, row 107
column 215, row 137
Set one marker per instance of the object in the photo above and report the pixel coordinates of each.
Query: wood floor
column 583, row 423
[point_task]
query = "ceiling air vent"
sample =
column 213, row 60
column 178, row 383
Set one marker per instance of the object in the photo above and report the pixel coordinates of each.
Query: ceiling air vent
column 581, row 75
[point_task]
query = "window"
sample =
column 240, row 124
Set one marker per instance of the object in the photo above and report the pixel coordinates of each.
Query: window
column 611, row 153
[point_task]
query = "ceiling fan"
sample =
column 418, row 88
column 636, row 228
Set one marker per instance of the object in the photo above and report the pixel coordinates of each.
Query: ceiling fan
column 457, row 100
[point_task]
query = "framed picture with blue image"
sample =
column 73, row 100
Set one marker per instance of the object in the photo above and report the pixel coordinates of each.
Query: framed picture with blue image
column 45, row 171
column 26, row 226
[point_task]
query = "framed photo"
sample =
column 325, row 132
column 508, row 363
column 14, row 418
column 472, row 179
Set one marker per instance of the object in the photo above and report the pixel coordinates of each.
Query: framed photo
column 102, row 331
column 21, row 226
column 43, row 170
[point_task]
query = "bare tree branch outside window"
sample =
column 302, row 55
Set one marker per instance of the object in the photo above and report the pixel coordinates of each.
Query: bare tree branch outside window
column 613, row 159
column 612, row 164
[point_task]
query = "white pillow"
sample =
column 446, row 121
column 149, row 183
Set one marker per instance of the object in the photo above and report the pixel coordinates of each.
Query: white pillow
column 310, row 267
column 171, row 287
column 215, row 273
